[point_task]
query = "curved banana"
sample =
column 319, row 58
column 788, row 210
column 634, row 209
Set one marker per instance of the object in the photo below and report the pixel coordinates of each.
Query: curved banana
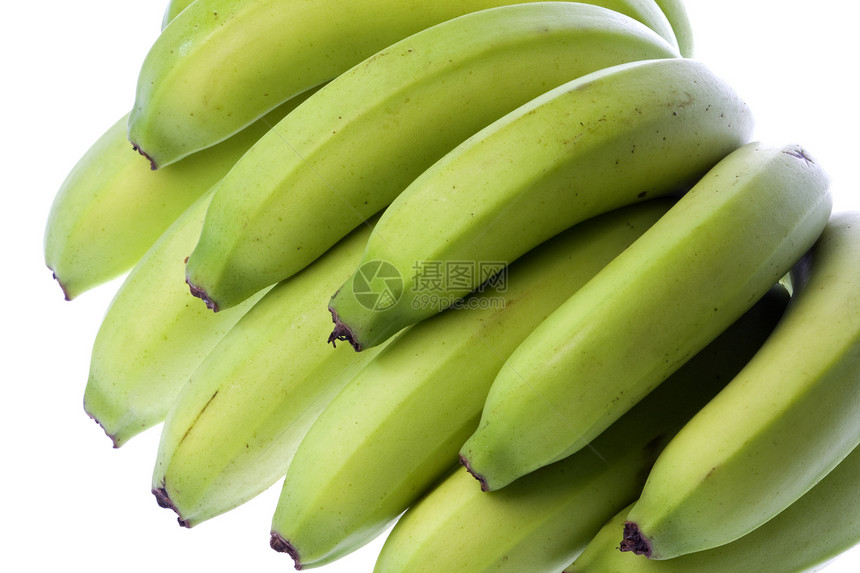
column 731, row 237
column 809, row 533
column 222, row 64
column 363, row 138
column 607, row 139
column 153, row 335
column 676, row 13
column 174, row 7
column 111, row 207
column 395, row 429
column 542, row 522
column 232, row 430
column 781, row 425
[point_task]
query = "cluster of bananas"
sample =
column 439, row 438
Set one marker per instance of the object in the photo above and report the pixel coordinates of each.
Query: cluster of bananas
column 556, row 260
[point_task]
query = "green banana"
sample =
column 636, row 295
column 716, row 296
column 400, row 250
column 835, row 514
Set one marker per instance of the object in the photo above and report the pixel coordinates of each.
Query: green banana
column 397, row 426
column 731, row 237
column 781, row 425
column 152, row 336
column 233, row 428
column 542, row 522
column 363, row 138
column 676, row 13
column 174, row 7
column 222, row 64
column 111, row 207
column 607, row 139
column 808, row 534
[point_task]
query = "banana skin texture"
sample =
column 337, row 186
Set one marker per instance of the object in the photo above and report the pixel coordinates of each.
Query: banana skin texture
column 396, row 428
column 808, row 534
column 605, row 140
column 541, row 522
column 369, row 133
column 733, row 235
column 153, row 335
column 779, row 427
column 111, row 207
column 234, row 427
column 222, row 64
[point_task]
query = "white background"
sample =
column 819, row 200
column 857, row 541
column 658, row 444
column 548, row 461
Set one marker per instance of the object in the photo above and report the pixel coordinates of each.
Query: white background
column 69, row 71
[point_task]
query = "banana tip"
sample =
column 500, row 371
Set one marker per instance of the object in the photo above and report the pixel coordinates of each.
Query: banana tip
column 634, row 541
column 281, row 545
column 342, row 332
column 201, row 294
column 66, row 294
column 465, row 462
column 116, row 443
column 152, row 164
column 162, row 498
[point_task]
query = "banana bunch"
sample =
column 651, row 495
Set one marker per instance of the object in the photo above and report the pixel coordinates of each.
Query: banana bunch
column 588, row 319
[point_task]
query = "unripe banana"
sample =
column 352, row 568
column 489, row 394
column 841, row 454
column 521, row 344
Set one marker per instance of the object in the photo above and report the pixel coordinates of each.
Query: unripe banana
column 111, row 207
column 235, row 425
column 780, row 426
column 676, row 13
column 805, row 536
column 174, row 7
column 363, row 138
column 731, row 237
column 544, row 520
column 602, row 141
column 153, row 336
column 222, row 64
column 395, row 429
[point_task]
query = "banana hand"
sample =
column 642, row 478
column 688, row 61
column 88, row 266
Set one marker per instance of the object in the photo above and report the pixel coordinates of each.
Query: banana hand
column 222, row 64
column 395, row 429
column 780, row 426
column 731, row 237
column 543, row 521
column 602, row 141
column 364, row 137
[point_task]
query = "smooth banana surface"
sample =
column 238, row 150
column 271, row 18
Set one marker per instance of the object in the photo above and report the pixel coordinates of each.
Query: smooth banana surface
column 779, row 427
column 676, row 13
column 396, row 428
column 355, row 145
column 153, row 335
column 174, row 7
column 608, row 139
column 731, row 237
column 807, row 535
column 234, row 427
column 111, row 207
column 222, row 64
column 542, row 522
